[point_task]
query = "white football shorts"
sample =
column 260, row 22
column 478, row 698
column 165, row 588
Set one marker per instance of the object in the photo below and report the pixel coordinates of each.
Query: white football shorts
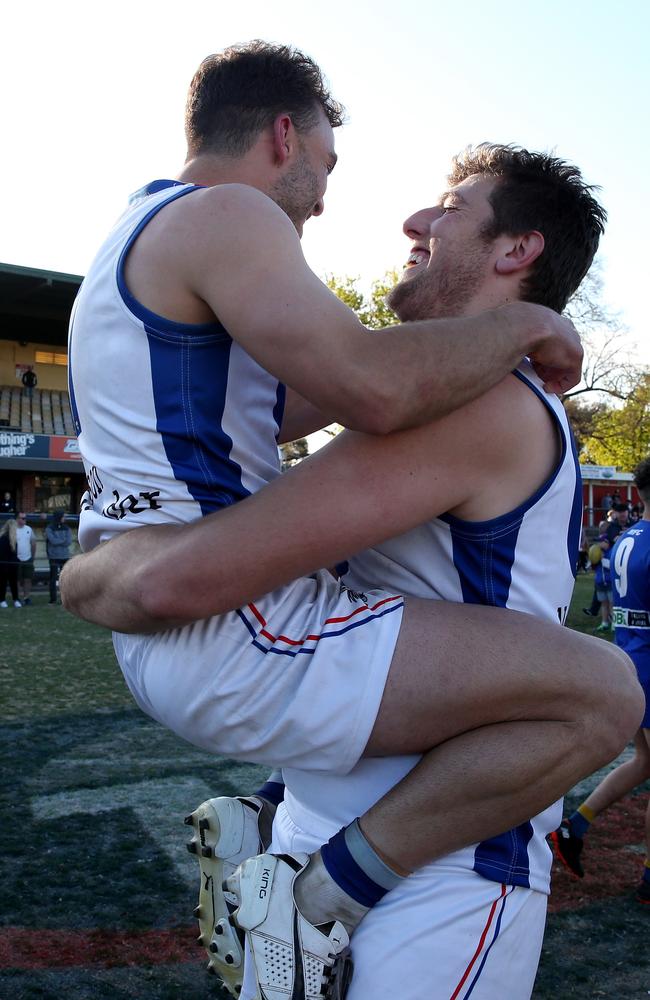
column 294, row 679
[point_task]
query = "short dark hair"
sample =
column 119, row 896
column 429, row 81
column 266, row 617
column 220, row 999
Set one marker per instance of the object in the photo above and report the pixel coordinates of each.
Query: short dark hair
column 237, row 93
column 542, row 192
column 642, row 479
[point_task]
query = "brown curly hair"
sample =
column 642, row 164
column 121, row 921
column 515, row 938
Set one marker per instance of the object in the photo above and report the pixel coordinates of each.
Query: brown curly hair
column 236, row 93
column 537, row 191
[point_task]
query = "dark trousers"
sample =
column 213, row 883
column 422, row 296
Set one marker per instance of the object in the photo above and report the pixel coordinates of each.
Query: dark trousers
column 56, row 565
column 8, row 575
column 595, row 604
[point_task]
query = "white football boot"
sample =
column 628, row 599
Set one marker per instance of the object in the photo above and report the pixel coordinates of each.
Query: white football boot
column 292, row 959
column 226, row 833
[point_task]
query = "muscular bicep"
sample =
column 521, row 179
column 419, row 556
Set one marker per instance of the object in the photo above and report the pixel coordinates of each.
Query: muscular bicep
column 247, row 264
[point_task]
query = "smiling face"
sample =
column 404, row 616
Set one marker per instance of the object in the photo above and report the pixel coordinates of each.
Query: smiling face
column 451, row 261
column 300, row 191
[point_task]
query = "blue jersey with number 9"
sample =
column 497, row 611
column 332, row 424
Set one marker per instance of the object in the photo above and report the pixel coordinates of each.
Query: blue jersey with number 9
column 630, row 570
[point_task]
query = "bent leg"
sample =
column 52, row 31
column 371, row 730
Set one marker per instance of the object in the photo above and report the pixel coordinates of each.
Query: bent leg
column 510, row 705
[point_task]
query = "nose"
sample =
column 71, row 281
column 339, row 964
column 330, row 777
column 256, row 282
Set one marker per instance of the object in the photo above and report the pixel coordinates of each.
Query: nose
column 419, row 224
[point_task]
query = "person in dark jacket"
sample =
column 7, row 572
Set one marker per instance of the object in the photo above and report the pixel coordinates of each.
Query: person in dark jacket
column 58, row 538
column 8, row 563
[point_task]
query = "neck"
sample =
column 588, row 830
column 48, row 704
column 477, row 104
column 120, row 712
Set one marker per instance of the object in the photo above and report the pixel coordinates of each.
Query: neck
column 208, row 169
column 489, row 298
column 207, row 174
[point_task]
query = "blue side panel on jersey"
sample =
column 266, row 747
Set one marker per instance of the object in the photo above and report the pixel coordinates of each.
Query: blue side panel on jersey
column 484, row 560
column 505, row 858
column 278, row 409
column 189, row 379
column 73, row 401
column 575, row 522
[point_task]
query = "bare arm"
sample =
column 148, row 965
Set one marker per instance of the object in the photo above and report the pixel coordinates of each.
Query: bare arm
column 234, row 251
column 146, row 580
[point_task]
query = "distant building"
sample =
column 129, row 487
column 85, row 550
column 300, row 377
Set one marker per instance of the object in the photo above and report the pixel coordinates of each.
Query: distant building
column 40, row 465
column 600, row 482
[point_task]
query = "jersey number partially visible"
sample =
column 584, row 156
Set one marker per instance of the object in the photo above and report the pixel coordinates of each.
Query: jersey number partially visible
column 621, row 559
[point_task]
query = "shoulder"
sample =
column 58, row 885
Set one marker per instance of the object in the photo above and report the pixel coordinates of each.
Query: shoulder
column 221, row 202
column 507, row 418
column 220, row 225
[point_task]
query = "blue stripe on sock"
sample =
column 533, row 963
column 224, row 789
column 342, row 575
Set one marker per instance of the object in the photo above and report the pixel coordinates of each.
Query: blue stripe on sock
column 272, row 791
column 347, row 874
column 578, row 824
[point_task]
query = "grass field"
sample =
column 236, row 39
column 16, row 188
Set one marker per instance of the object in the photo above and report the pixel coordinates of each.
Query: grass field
column 97, row 888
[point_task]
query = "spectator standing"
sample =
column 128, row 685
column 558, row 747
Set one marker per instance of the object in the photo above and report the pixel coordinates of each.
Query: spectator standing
column 617, row 521
column 30, row 381
column 635, row 514
column 583, row 553
column 603, row 579
column 58, row 537
column 607, row 502
column 6, row 504
column 26, row 550
column 8, row 563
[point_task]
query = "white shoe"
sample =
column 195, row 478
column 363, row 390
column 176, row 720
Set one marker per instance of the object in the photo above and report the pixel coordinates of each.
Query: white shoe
column 3, row 604
column 227, row 833
column 17, row 604
column 292, row 959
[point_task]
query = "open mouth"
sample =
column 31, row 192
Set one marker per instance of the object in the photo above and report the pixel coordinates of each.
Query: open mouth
column 416, row 257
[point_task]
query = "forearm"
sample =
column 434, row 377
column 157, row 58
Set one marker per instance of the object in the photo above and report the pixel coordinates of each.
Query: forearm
column 154, row 578
column 109, row 586
column 472, row 354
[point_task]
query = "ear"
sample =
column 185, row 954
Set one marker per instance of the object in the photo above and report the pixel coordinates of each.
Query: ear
column 520, row 252
column 284, row 137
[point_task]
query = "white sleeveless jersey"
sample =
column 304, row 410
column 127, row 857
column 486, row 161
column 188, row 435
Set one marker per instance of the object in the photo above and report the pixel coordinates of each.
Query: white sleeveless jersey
column 523, row 560
column 174, row 420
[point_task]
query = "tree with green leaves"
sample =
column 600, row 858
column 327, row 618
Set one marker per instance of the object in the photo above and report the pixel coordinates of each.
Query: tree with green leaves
column 620, row 435
column 371, row 309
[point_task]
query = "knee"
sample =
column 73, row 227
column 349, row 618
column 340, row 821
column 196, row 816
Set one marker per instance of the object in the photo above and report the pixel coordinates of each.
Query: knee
column 619, row 704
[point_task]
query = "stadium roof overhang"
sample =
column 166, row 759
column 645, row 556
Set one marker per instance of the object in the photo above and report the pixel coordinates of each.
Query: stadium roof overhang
column 42, row 465
column 35, row 305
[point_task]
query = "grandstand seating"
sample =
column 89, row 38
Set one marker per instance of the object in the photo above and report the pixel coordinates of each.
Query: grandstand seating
column 46, row 412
